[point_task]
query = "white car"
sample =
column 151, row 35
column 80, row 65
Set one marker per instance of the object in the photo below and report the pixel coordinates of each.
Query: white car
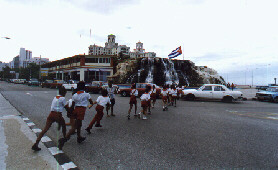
column 72, row 85
column 212, row 91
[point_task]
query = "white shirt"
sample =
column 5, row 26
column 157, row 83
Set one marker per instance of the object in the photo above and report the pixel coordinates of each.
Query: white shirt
column 103, row 101
column 58, row 104
column 164, row 93
column 81, row 99
column 174, row 92
column 111, row 92
column 69, row 103
column 134, row 92
column 153, row 91
column 145, row 97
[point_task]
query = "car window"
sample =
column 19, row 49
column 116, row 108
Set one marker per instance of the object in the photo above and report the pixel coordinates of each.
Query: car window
column 207, row 88
column 217, row 88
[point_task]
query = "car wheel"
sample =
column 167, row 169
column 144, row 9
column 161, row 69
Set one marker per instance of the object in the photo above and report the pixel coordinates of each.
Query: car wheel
column 227, row 99
column 275, row 100
column 190, row 97
column 124, row 94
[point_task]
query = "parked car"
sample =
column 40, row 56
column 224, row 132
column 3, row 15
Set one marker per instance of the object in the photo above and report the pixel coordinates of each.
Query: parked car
column 46, row 83
column 71, row 85
column 94, row 87
column 141, row 89
column 212, row 91
column 271, row 94
column 57, row 83
column 33, row 82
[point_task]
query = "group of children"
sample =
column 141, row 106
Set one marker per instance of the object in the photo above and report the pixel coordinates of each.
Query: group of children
column 76, row 108
column 169, row 95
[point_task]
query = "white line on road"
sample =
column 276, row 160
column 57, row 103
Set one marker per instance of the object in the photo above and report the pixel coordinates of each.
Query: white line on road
column 30, row 124
column 55, row 150
column 29, row 94
column 45, row 139
column 69, row 165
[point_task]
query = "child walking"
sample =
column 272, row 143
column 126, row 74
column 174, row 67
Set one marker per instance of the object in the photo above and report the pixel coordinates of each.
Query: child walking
column 57, row 106
column 101, row 102
column 174, row 93
column 144, row 103
column 153, row 96
column 80, row 101
column 133, row 101
column 164, row 94
column 70, row 112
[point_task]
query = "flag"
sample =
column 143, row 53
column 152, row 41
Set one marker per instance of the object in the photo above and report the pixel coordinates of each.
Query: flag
column 175, row 53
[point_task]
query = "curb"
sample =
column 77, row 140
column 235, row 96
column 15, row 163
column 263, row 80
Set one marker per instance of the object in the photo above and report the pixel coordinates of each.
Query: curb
column 62, row 159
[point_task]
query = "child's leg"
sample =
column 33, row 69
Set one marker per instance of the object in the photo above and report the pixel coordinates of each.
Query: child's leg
column 47, row 126
column 79, row 125
column 100, row 115
column 135, row 108
column 64, row 129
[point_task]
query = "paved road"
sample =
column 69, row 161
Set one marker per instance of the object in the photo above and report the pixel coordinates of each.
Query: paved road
column 193, row 135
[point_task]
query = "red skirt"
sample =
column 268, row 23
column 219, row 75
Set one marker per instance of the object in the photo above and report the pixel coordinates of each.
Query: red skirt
column 144, row 103
column 99, row 108
column 164, row 98
column 132, row 100
column 153, row 96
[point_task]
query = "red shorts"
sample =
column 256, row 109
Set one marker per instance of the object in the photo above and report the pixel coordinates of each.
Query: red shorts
column 132, row 100
column 99, row 108
column 174, row 97
column 79, row 112
column 149, row 103
column 164, row 98
column 144, row 103
column 153, row 96
column 55, row 117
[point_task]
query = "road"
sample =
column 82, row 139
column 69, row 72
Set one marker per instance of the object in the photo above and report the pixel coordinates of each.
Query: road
column 198, row 134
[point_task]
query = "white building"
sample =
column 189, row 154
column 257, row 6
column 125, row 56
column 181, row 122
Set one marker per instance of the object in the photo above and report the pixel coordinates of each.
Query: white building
column 111, row 48
column 39, row 61
column 140, row 52
column 25, row 57
column 3, row 65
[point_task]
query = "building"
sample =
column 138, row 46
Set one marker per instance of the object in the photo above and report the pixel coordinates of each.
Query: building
column 111, row 48
column 140, row 52
column 86, row 68
column 39, row 61
column 25, row 57
column 15, row 62
column 3, row 65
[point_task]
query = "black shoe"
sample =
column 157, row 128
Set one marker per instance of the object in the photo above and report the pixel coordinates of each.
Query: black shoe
column 35, row 148
column 164, row 109
column 135, row 115
column 61, row 143
column 88, row 130
column 149, row 113
column 128, row 117
column 98, row 125
column 81, row 139
column 113, row 115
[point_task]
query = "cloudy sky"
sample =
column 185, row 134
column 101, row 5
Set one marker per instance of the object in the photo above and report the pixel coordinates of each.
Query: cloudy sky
column 234, row 37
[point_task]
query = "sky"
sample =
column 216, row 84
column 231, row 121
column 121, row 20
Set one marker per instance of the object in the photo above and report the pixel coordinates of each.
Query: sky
column 237, row 38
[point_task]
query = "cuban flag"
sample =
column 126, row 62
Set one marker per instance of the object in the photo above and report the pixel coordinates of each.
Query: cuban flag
column 175, row 53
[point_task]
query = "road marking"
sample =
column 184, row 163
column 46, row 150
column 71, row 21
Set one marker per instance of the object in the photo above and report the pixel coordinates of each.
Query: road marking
column 55, row 150
column 45, row 139
column 275, row 118
column 69, row 165
column 26, row 118
column 29, row 94
column 36, row 130
column 30, row 124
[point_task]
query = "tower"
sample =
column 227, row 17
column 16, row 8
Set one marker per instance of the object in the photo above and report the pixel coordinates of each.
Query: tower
column 139, row 47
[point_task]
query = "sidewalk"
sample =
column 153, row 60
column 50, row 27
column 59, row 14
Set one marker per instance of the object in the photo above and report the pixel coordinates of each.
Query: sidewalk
column 16, row 140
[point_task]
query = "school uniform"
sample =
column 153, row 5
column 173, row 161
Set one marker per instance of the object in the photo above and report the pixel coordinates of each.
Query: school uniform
column 144, row 99
column 81, row 100
column 69, row 112
column 101, row 103
column 57, row 107
column 111, row 95
column 164, row 93
column 153, row 95
column 174, row 93
column 133, row 94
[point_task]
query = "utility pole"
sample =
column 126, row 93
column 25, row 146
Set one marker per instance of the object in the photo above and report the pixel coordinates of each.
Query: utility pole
column 40, row 68
column 275, row 80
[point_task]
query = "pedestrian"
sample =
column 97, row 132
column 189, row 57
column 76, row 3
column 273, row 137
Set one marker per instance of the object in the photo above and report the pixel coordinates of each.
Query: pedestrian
column 111, row 91
column 170, row 95
column 144, row 104
column 70, row 114
column 232, row 86
column 133, row 101
column 149, row 101
column 80, row 101
column 164, row 94
column 174, row 93
column 57, row 106
column 102, row 101
column 153, row 96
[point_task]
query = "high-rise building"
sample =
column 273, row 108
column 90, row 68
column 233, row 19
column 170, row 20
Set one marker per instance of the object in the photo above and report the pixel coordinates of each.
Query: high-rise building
column 140, row 52
column 25, row 57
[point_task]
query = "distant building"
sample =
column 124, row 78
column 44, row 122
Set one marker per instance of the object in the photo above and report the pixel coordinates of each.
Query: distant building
column 39, row 61
column 3, row 65
column 140, row 52
column 25, row 57
column 15, row 62
column 111, row 48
